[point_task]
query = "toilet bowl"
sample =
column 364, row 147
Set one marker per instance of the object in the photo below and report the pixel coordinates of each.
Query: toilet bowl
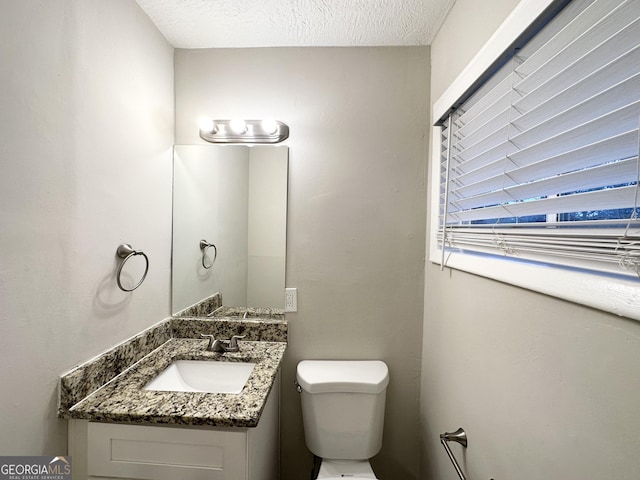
column 339, row 470
column 343, row 404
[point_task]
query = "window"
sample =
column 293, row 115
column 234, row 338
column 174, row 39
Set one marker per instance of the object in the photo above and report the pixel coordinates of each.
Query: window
column 539, row 164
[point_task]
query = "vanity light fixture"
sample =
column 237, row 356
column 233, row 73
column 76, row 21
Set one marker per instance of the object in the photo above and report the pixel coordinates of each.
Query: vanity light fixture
column 207, row 125
column 238, row 126
column 243, row 131
column 269, row 125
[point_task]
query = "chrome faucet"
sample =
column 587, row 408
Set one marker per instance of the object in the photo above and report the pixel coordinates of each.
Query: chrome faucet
column 222, row 346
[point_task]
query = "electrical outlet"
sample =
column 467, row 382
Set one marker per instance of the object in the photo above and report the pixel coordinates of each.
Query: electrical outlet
column 290, row 299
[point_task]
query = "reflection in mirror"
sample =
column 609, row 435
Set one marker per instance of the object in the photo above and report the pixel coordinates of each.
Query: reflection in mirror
column 233, row 197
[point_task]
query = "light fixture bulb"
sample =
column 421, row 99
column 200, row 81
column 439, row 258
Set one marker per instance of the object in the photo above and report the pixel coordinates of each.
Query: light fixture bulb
column 238, row 126
column 207, row 125
column 269, row 126
column 237, row 130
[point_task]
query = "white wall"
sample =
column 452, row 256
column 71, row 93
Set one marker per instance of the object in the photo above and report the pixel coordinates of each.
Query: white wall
column 85, row 144
column 544, row 388
column 357, row 193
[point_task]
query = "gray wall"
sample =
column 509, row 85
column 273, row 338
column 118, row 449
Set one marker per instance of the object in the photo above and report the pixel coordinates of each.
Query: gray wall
column 85, row 143
column 544, row 388
column 356, row 225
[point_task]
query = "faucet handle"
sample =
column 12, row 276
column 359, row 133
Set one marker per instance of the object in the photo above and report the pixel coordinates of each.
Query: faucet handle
column 211, row 340
column 233, row 343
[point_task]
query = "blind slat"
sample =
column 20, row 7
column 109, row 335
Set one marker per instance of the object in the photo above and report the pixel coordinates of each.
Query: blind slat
column 620, row 146
column 596, row 67
column 491, row 163
column 585, row 34
column 602, row 200
column 618, row 173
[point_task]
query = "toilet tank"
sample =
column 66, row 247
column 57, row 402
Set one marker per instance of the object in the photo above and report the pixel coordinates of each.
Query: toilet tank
column 343, row 407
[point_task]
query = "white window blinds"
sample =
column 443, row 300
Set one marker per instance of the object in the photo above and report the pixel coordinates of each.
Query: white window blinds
column 541, row 162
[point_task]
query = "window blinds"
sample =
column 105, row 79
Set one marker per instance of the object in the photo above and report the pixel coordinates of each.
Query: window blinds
column 541, row 162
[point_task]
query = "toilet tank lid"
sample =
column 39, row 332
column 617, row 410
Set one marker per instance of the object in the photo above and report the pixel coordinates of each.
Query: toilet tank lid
column 357, row 376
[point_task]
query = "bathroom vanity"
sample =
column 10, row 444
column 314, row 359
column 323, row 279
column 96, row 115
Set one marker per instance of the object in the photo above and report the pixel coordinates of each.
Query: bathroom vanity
column 112, row 450
column 118, row 429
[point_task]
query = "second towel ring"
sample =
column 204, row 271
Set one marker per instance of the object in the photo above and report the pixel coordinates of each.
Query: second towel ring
column 126, row 251
column 204, row 245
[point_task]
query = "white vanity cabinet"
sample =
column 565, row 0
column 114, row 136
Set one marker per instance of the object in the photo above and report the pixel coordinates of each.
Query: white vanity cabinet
column 110, row 451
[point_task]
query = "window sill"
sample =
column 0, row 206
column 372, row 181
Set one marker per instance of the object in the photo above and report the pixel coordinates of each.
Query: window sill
column 612, row 294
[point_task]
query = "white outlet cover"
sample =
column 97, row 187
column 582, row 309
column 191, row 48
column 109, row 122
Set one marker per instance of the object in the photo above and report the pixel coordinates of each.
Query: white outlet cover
column 290, row 299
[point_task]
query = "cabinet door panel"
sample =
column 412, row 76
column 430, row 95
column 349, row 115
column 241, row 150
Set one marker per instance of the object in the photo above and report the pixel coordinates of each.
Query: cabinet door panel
column 161, row 453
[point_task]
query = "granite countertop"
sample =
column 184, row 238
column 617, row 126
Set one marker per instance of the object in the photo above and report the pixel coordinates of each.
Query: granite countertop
column 123, row 399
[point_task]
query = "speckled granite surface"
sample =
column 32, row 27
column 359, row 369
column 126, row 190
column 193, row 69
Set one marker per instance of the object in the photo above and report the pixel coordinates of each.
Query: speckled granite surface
column 258, row 330
column 108, row 387
column 91, row 375
column 248, row 312
column 204, row 308
column 123, row 399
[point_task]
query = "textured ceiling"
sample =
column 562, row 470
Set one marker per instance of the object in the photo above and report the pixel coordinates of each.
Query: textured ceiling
column 296, row 23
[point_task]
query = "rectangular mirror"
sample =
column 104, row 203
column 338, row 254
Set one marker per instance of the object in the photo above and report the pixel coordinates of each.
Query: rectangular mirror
column 235, row 198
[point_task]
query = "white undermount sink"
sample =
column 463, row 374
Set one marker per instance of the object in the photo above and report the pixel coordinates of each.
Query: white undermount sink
column 202, row 376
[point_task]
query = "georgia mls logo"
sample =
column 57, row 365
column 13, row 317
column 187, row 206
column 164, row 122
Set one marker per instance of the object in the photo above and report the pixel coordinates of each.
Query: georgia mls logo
column 60, row 465
column 35, row 468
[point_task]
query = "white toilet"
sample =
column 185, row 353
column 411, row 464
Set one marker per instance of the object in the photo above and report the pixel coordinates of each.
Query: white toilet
column 343, row 414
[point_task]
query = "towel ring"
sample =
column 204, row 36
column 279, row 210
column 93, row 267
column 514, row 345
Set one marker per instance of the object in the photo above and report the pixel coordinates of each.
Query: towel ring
column 204, row 245
column 126, row 251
